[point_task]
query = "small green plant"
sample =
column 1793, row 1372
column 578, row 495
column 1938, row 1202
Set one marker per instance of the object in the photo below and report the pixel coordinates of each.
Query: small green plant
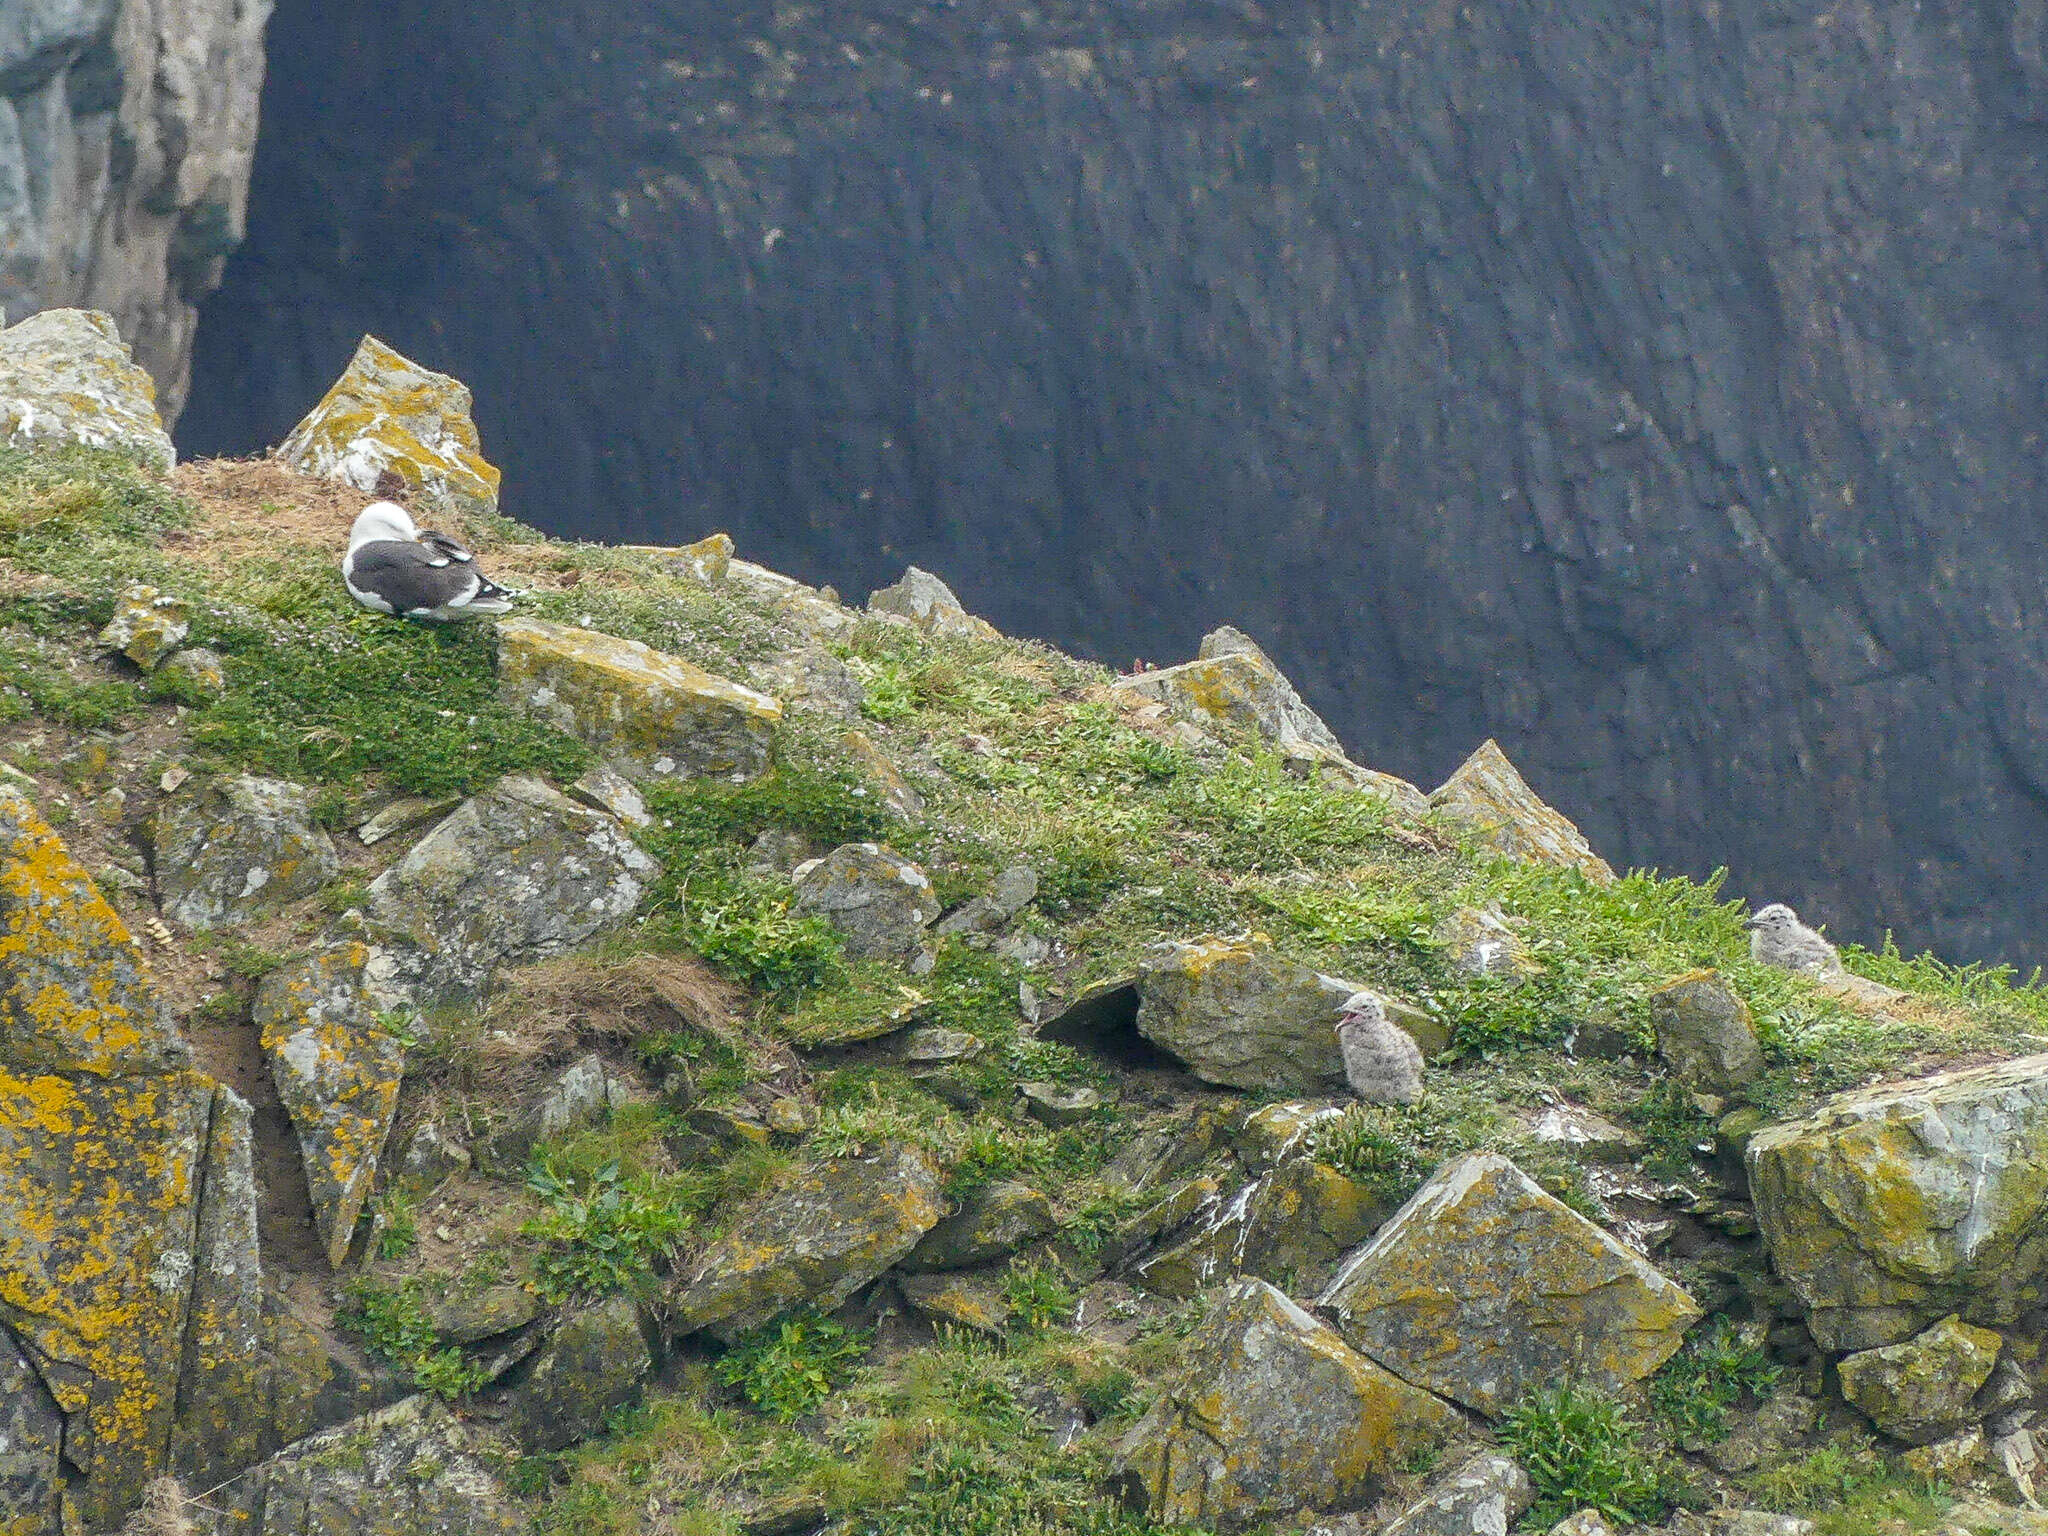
column 787, row 1368
column 398, row 1227
column 1082, row 870
column 1392, row 1148
column 247, row 960
column 1583, row 1451
column 599, row 1235
column 1037, row 1296
column 392, row 1322
column 1716, row 1369
column 766, row 946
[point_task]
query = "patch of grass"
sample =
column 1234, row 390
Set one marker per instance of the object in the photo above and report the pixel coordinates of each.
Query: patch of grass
column 1583, row 1451
column 1038, row 1297
column 1848, row 1489
column 360, row 695
column 33, row 683
column 1393, row 1148
column 1715, row 1369
column 601, row 1234
column 789, row 1367
column 1674, row 1128
column 251, row 961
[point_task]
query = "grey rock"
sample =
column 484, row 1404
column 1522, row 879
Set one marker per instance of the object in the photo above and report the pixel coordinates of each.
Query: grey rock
column 1489, row 796
column 232, row 851
column 1483, row 1286
column 594, row 1363
column 1705, row 1035
column 1237, row 1013
column 1585, row 1523
column 992, row 1223
column 880, row 902
column 777, row 851
column 579, row 1096
column 126, row 136
column 410, row 1469
column 1481, row 942
column 1482, row 1497
column 928, row 603
column 1239, row 687
column 147, row 625
column 65, row 377
column 1924, row 1389
column 194, row 670
column 402, row 815
column 31, row 1436
column 516, row 874
column 1289, row 1226
column 432, row 1157
column 1014, row 890
column 817, row 1238
column 1050, row 1104
column 1760, row 1522
column 933, row 1045
column 1272, row 1413
column 606, row 789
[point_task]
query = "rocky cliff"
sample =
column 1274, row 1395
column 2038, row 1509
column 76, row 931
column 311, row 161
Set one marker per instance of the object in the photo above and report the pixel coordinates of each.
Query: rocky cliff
column 126, row 131
column 1649, row 386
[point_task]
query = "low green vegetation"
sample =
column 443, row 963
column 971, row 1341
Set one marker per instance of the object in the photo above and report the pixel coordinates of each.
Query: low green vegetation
column 1717, row 1368
column 789, row 1367
column 393, row 1322
column 1582, row 1450
column 600, row 1234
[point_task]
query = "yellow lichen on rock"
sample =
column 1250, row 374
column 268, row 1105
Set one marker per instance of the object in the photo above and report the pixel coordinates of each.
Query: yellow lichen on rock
column 1491, row 797
column 73, row 995
column 67, row 377
column 387, row 413
column 650, row 714
column 98, row 1179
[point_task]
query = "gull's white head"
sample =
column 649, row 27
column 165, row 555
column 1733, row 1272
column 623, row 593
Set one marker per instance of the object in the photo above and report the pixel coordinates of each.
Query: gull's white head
column 379, row 521
column 1776, row 918
column 1362, row 1008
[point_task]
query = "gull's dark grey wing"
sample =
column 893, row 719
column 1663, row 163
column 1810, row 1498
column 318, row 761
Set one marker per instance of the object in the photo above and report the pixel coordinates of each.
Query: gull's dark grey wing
column 408, row 578
column 444, row 546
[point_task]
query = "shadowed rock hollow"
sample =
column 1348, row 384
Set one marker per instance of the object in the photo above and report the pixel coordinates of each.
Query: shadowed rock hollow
column 1653, row 387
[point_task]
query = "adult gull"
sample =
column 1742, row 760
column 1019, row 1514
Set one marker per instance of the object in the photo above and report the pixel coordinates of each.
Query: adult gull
column 392, row 567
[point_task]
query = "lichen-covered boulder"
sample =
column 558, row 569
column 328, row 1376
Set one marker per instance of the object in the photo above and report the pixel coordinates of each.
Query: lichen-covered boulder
column 73, row 994
column 580, row 1095
column 1235, row 683
column 880, row 902
column 1238, row 1013
column 1490, row 796
column 1483, row 1286
column 67, row 377
column 338, row 1071
column 193, row 674
column 1891, row 1207
column 98, row 1177
column 1290, row 1227
column 31, row 1439
column 929, row 604
column 387, row 413
column 516, row 874
column 1014, row 890
column 1922, row 1389
column 992, row 1223
column 1705, row 1035
column 817, row 1239
column 147, row 625
column 411, row 1469
column 973, row 1302
column 595, row 1362
column 1480, row 1497
column 230, row 851
column 1273, row 1133
column 1273, row 1413
column 649, row 714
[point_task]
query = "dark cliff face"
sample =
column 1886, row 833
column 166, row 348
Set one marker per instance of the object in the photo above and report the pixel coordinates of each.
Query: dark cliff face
column 1655, row 387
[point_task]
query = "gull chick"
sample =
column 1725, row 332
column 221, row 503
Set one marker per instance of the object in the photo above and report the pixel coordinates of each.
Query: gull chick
column 391, row 567
column 1777, row 937
column 1382, row 1064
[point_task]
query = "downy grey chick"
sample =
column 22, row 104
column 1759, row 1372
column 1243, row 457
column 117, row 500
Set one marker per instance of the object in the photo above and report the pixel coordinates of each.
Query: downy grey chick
column 1381, row 1062
column 1777, row 937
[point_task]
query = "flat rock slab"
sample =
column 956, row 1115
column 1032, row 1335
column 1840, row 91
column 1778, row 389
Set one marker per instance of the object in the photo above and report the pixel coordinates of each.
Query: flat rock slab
column 1482, row 1286
column 516, row 874
column 407, row 1470
column 338, row 1073
column 1290, row 1227
column 1273, row 1413
column 594, row 1362
column 387, row 413
column 231, row 851
column 650, row 715
column 1488, row 795
column 1889, row 1208
column 819, row 1238
column 67, row 377
column 992, row 1223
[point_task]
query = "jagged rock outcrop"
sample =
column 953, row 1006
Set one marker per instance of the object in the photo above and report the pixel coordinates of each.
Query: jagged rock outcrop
column 1482, row 1497
column 1482, row 1286
column 388, row 415
column 127, row 129
column 1705, row 1034
column 1290, row 1227
column 1235, row 683
column 593, row 1362
column 1489, row 795
column 1273, row 1413
column 1887, row 1209
column 231, row 851
column 1922, row 1389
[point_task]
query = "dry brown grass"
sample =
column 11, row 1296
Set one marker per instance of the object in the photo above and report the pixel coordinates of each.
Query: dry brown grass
column 548, row 1012
column 163, row 1511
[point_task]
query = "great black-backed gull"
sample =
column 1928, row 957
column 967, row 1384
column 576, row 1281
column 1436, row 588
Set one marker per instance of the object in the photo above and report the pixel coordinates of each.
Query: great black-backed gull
column 392, row 567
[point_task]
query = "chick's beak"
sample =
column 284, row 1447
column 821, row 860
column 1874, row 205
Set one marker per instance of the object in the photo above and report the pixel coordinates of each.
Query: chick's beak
column 1750, row 922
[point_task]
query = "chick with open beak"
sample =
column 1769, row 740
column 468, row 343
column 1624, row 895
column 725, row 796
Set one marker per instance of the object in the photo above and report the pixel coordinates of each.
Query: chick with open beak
column 1381, row 1062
